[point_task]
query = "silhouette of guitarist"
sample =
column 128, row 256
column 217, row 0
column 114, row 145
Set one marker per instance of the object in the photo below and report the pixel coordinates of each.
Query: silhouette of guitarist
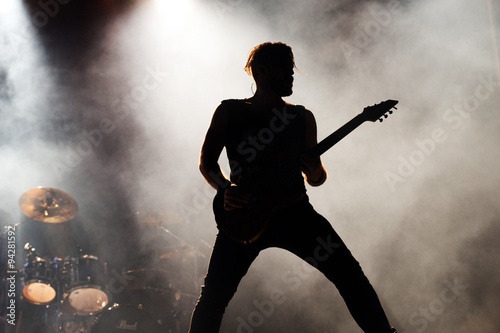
column 266, row 140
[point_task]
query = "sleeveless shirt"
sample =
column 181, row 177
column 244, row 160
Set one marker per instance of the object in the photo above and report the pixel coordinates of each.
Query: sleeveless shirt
column 264, row 152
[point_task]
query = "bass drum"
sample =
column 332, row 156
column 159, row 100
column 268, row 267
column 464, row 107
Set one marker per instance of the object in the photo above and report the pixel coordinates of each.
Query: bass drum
column 151, row 288
column 127, row 318
column 73, row 323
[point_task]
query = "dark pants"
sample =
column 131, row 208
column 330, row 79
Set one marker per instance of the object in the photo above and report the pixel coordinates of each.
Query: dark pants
column 302, row 231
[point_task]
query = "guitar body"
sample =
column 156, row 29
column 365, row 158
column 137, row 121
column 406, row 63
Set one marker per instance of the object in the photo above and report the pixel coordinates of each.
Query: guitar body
column 246, row 225
column 243, row 225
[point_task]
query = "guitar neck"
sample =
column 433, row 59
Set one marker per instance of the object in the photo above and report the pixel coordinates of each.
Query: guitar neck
column 336, row 136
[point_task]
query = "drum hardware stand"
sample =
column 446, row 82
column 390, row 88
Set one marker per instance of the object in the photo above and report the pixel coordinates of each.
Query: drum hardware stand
column 183, row 242
column 60, row 293
column 195, row 250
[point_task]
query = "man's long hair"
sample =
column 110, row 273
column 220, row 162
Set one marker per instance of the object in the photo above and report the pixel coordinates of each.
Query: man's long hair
column 270, row 55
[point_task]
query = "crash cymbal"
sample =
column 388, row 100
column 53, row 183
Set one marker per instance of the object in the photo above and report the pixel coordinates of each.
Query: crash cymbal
column 48, row 205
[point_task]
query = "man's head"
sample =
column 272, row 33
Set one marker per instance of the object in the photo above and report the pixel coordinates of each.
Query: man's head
column 272, row 65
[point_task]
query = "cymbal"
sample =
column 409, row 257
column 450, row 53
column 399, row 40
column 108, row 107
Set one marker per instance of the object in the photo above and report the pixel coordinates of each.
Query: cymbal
column 181, row 254
column 157, row 218
column 147, row 278
column 48, row 205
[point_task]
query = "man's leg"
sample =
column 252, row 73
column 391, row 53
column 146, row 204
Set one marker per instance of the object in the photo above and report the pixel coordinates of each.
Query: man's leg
column 228, row 264
column 311, row 237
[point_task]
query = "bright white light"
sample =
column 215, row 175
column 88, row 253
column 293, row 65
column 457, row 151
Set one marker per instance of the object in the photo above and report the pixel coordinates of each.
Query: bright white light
column 10, row 7
column 174, row 13
column 11, row 14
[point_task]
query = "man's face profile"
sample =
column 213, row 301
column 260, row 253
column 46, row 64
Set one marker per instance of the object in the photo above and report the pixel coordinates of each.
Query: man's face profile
column 280, row 79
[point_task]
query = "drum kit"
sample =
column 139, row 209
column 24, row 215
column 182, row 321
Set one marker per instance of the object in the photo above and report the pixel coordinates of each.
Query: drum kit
column 74, row 293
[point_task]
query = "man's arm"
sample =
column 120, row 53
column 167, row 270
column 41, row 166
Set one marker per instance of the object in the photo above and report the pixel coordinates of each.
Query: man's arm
column 312, row 166
column 212, row 148
column 209, row 165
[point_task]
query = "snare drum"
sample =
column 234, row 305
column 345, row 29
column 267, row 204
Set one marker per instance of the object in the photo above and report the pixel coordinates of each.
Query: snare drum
column 87, row 286
column 39, row 275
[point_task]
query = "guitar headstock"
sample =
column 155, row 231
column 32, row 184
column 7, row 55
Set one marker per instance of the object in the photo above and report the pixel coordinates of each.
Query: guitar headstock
column 377, row 111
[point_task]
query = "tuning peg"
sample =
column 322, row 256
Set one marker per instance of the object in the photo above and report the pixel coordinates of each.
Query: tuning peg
column 390, row 111
column 381, row 120
column 386, row 115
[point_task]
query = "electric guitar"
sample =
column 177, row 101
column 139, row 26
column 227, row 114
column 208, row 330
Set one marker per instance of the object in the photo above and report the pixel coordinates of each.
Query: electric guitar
column 245, row 225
